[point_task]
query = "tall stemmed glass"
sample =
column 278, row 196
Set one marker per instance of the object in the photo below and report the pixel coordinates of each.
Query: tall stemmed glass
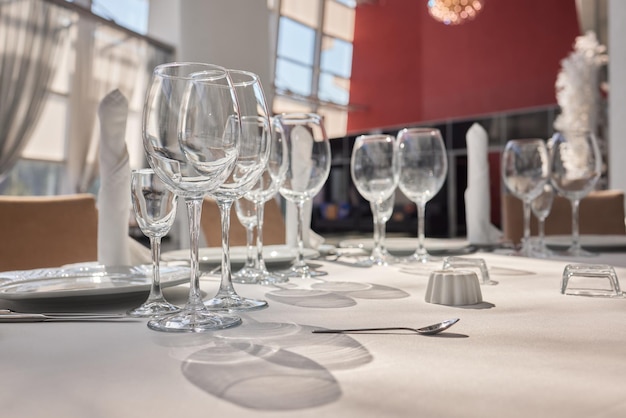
column 381, row 213
column 375, row 170
column 541, row 207
column 247, row 215
column 253, row 154
column 423, row 170
column 308, row 166
column 155, row 210
column 173, row 100
column 525, row 170
column 265, row 189
column 576, row 166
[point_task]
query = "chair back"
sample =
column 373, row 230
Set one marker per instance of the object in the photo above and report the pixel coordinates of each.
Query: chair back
column 47, row 231
column 273, row 225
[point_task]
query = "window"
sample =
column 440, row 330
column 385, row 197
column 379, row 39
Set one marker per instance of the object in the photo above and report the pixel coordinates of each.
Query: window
column 132, row 14
column 41, row 169
column 314, row 59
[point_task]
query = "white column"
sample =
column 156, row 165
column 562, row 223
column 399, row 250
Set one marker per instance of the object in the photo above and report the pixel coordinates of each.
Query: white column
column 617, row 94
column 232, row 33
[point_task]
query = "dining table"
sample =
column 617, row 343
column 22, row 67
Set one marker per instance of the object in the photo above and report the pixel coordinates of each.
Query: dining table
column 525, row 350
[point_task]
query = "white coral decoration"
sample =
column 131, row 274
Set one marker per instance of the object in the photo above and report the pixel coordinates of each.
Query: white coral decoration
column 577, row 85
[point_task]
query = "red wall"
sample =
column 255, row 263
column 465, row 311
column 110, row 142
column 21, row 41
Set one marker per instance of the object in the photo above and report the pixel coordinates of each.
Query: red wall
column 407, row 68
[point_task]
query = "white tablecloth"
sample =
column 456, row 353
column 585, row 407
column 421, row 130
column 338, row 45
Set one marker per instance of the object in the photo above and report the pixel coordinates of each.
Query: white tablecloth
column 527, row 351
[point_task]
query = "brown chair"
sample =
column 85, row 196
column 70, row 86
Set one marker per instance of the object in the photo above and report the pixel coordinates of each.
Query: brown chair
column 273, row 225
column 601, row 213
column 47, row 231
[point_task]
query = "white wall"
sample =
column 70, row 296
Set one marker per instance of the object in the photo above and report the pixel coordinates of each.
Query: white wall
column 231, row 33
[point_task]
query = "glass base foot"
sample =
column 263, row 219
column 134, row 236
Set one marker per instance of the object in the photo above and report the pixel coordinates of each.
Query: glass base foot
column 246, row 275
column 153, row 308
column 578, row 251
column 234, row 303
column 304, row 272
column 267, row 278
column 193, row 321
column 421, row 258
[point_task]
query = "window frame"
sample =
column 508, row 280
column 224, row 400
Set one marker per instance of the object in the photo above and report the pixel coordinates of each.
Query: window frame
column 312, row 101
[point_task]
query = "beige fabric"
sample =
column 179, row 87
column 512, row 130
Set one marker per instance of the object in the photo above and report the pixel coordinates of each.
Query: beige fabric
column 601, row 212
column 273, row 225
column 47, row 231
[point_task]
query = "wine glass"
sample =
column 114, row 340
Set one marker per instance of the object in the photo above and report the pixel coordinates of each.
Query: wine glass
column 525, row 170
column 155, row 209
column 576, row 165
column 174, row 100
column 308, row 165
column 247, row 216
column 265, row 189
column 541, row 206
column 381, row 213
column 253, row 153
column 375, row 170
column 423, row 170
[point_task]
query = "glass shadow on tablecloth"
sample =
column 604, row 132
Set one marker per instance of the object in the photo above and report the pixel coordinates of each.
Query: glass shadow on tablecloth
column 334, row 294
column 267, row 366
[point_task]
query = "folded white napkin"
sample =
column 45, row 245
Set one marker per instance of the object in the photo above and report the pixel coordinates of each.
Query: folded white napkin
column 477, row 198
column 115, row 247
column 301, row 176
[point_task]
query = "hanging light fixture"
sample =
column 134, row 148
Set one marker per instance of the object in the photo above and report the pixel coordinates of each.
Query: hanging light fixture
column 454, row 12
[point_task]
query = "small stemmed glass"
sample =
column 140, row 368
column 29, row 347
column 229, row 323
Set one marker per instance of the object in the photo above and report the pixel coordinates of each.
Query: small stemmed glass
column 576, row 166
column 525, row 170
column 381, row 213
column 249, row 165
column 541, row 207
column 375, row 170
column 423, row 170
column 247, row 216
column 308, row 165
column 155, row 209
column 264, row 190
column 183, row 96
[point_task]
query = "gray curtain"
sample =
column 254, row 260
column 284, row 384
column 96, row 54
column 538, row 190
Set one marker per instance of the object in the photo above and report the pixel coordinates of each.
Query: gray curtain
column 30, row 32
column 106, row 59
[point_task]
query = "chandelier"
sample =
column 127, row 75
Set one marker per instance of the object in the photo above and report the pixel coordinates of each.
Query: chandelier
column 454, row 12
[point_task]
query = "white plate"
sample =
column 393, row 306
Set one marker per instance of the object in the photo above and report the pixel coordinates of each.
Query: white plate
column 272, row 255
column 85, row 280
column 406, row 245
column 590, row 242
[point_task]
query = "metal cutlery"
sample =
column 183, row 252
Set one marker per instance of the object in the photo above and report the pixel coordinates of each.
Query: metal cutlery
column 7, row 315
column 428, row 330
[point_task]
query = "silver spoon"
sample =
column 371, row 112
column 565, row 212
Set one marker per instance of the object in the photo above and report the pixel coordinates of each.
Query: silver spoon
column 429, row 330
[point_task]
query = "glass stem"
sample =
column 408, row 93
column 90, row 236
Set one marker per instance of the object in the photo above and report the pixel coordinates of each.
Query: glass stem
column 575, row 233
column 421, row 210
column 226, row 284
column 526, row 239
column 300, row 236
column 376, row 231
column 542, row 235
column 250, row 248
column 381, row 235
column 260, row 209
column 194, row 211
column 155, row 289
